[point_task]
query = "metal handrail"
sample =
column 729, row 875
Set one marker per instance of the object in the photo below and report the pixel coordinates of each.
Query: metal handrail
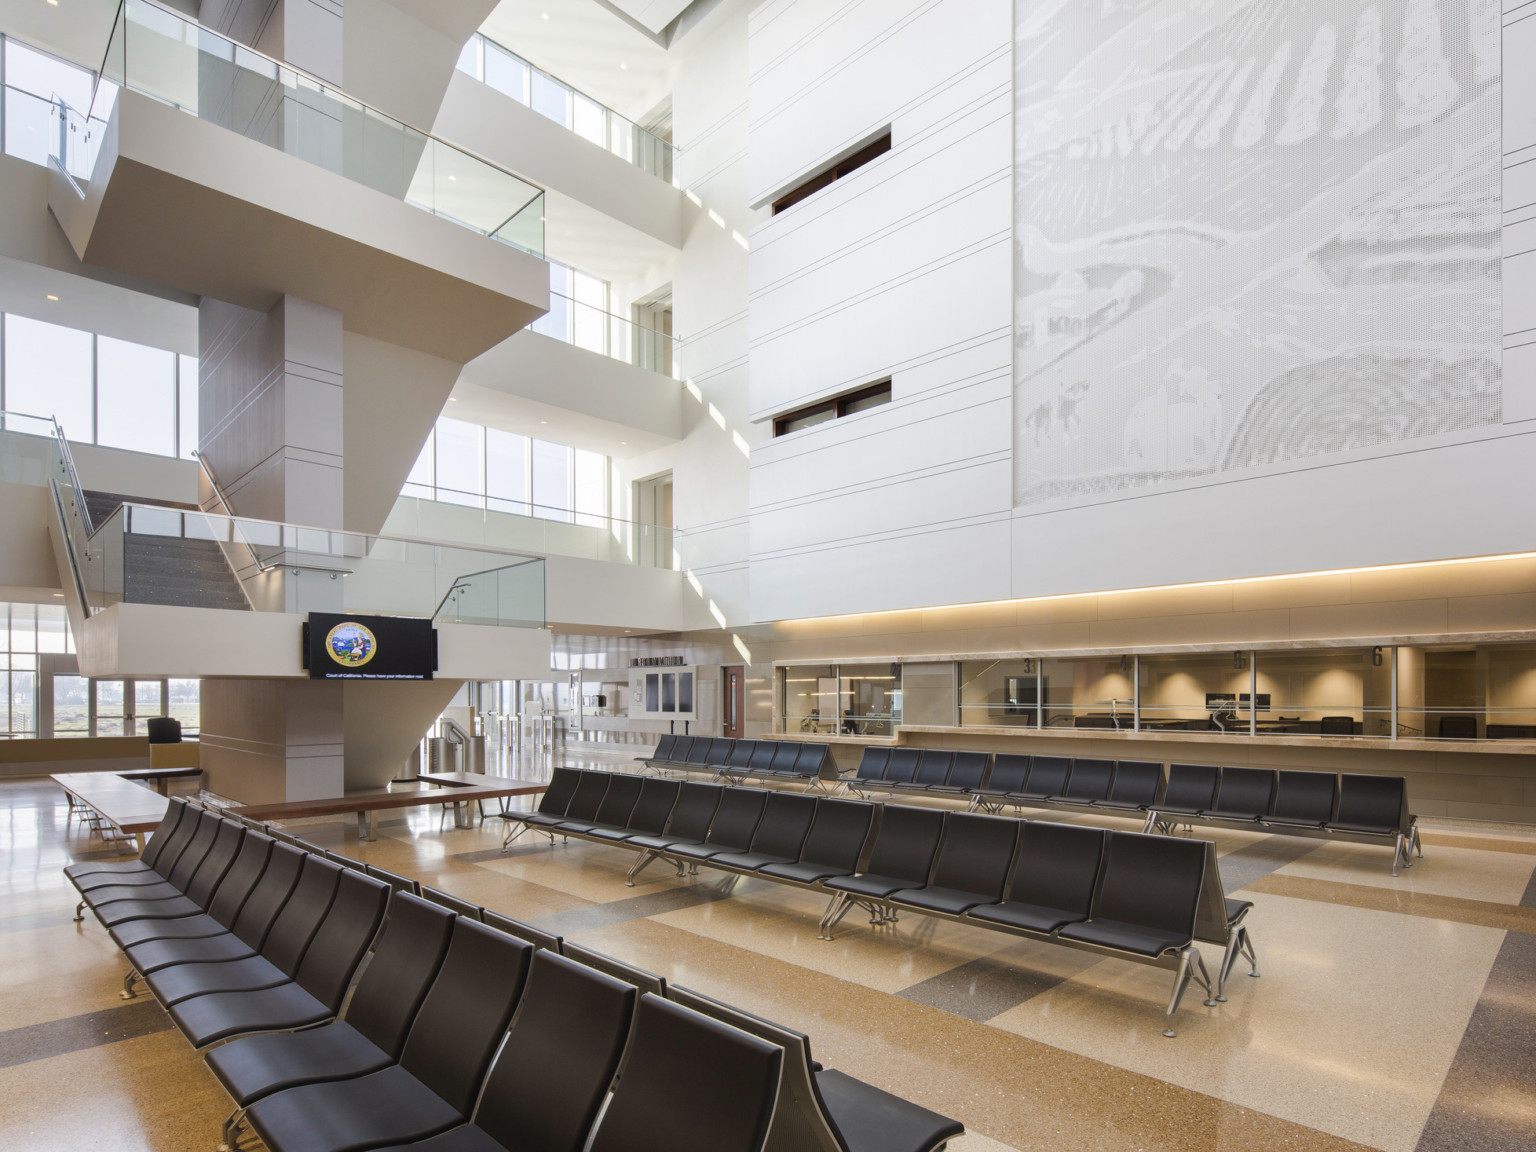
column 326, row 86
column 74, row 477
column 69, row 549
column 462, row 581
column 229, row 510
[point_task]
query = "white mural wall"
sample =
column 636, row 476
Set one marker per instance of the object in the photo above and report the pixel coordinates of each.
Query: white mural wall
column 1250, row 236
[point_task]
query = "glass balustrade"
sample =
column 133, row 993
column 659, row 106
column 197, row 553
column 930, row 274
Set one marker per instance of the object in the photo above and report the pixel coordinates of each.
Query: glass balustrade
column 524, row 526
column 507, row 72
column 160, row 54
column 596, row 330
column 297, row 569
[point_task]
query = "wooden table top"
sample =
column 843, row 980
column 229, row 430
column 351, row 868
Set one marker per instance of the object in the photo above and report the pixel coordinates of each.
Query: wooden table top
column 377, row 801
column 466, row 779
column 160, row 773
column 124, row 804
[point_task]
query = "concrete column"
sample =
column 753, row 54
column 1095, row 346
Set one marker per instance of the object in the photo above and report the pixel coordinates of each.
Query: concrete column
column 270, row 428
column 270, row 408
column 269, row 741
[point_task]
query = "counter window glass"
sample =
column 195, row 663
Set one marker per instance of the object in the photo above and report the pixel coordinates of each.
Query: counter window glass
column 1195, row 692
column 1468, row 693
column 1325, row 692
column 810, row 698
column 1094, row 692
column 869, row 699
column 1001, row 693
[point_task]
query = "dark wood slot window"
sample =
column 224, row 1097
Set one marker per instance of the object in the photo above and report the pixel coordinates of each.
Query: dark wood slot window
column 870, row 396
column 879, row 146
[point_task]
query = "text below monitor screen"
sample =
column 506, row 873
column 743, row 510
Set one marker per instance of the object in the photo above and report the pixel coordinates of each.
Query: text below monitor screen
column 340, row 647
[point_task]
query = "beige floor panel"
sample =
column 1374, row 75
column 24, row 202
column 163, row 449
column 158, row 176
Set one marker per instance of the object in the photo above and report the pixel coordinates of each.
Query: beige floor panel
column 50, row 973
column 782, row 923
column 1021, row 1093
column 1464, row 872
column 592, row 871
column 149, row 1094
column 1349, row 1030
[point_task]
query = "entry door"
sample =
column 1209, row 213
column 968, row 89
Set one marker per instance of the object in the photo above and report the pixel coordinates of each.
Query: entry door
column 735, row 700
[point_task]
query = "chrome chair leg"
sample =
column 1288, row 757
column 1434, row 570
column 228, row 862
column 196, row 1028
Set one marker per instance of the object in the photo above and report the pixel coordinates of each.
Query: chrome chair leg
column 639, row 866
column 130, row 978
column 79, row 911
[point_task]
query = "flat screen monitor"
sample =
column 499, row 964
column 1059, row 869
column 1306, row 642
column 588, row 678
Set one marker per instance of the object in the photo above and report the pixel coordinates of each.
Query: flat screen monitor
column 1261, row 701
column 337, row 647
column 1220, row 701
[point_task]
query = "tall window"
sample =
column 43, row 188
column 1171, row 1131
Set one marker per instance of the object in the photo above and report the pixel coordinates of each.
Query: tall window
column 26, row 631
column 33, row 82
column 464, row 463
column 578, row 312
column 100, row 389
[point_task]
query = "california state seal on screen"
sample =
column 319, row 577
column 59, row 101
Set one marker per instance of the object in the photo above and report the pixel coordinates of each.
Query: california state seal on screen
column 350, row 644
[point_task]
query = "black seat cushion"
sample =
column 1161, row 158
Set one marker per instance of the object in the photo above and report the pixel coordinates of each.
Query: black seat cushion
column 1125, row 937
column 748, row 861
column 153, row 955
column 386, row 1107
column 1029, row 917
column 464, row 1138
column 950, row 900
column 699, row 851
column 257, row 1066
column 614, row 834
column 661, row 843
column 206, row 1019
column 871, row 1120
column 804, row 872
column 142, row 931
column 183, row 981
column 121, row 911
column 870, row 884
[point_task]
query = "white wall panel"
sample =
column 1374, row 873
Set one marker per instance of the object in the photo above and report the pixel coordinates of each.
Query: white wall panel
column 900, row 269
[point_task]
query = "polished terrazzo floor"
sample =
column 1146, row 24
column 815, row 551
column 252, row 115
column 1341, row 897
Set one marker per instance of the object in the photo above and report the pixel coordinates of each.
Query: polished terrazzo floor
column 1391, row 1013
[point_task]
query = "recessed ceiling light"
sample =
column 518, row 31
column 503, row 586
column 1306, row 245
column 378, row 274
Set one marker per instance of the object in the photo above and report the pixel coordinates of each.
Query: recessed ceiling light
column 623, row 443
column 453, row 399
column 543, row 421
column 55, row 4
column 623, row 67
column 543, row 15
column 59, row 594
column 453, row 178
column 52, row 297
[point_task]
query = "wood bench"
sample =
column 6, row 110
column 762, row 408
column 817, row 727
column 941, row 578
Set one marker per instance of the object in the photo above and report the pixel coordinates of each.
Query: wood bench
column 132, row 810
column 160, row 778
column 368, row 805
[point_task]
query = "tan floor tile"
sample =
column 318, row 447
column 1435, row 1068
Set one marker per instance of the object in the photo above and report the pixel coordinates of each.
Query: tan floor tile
column 150, row 1094
column 1022, row 1094
column 782, row 922
column 1465, row 872
column 1349, row 1030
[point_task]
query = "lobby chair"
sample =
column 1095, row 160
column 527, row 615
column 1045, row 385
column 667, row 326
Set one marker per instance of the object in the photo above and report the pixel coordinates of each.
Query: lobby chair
column 535, row 936
column 319, row 982
column 1457, row 728
column 613, row 812
column 649, row 815
column 1135, row 787
column 971, row 868
column 466, row 908
column 833, row 846
column 442, row 1064
column 281, row 951
column 163, row 836
column 552, row 1074
column 741, row 809
column 1191, row 790
column 690, row 820
column 1054, row 878
column 1088, row 782
column 1047, row 778
column 690, row 1084
column 871, row 767
column 397, row 882
column 1336, row 726
column 1303, row 799
column 638, row 978
column 193, row 822
column 969, row 772
column 411, row 949
column 902, row 857
column 1243, row 796
column 780, row 834
column 551, row 808
column 187, row 893
column 1010, row 771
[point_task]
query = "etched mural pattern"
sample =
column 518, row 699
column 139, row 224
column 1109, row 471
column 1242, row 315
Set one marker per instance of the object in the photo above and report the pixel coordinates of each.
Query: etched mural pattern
column 1250, row 232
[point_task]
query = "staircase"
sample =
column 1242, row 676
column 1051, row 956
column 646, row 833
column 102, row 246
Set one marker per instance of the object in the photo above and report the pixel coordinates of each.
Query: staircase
column 170, row 570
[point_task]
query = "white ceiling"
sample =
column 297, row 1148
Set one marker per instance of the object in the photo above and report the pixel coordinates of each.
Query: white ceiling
column 654, row 14
column 588, row 47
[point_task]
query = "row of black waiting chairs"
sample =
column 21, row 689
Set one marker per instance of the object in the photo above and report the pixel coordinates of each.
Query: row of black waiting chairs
column 254, row 942
column 1345, row 806
column 739, row 759
column 1127, row 894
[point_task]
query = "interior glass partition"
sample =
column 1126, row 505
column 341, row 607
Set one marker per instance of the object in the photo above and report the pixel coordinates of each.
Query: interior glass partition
column 1325, row 692
column 1089, row 692
column 1003, row 693
column 1195, row 692
column 809, row 692
column 160, row 54
column 842, row 699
